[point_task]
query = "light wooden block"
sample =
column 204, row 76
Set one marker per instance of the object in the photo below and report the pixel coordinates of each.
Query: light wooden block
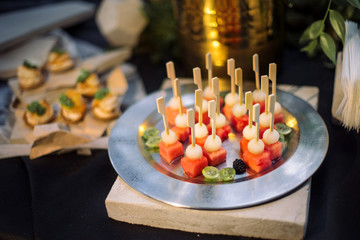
column 281, row 219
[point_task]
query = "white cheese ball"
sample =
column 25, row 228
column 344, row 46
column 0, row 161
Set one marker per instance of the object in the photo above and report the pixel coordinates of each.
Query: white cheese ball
column 256, row 147
column 180, row 121
column 220, row 120
column 208, row 94
column 258, row 96
column 264, row 119
column 231, row 99
column 239, row 110
column 204, row 106
column 271, row 137
column 174, row 103
column 212, row 145
column 277, row 108
column 170, row 138
column 200, row 131
column 249, row 133
column 194, row 152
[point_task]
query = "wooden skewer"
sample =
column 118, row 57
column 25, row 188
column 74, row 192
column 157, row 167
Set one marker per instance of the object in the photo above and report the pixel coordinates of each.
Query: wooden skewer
column 198, row 103
column 272, row 110
column 265, row 89
column 215, row 90
column 249, row 106
column 212, row 115
column 197, row 77
column 191, row 124
column 256, row 70
column 170, row 70
column 161, row 109
column 231, row 73
column 256, row 120
column 272, row 76
column 208, row 66
column 177, row 94
column 239, row 83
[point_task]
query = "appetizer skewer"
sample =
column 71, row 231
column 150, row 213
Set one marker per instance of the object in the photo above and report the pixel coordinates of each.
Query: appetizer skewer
column 231, row 98
column 169, row 147
column 59, row 60
column 271, row 136
column 38, row 112
column 222, row 127
column 213, row 150
column 239, row 118
column 256, row 157
column 180, row 128
column 87, row 83
column 105, row 105
column 173, row 108
column 279, row 116
column 201, row 132
column 73, row 106
column 208, row 91
column 204, row 111
column 194, row 162
column 30, row 75
column 258, row 95
column 264, row 119
column 249, row 131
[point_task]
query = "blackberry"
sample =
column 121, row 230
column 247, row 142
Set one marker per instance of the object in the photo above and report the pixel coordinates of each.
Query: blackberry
column 239, row 166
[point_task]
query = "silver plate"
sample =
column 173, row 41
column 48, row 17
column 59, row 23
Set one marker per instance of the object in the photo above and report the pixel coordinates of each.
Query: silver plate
column 148, row 174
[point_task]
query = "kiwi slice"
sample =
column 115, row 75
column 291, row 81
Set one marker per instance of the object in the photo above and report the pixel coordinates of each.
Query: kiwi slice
column 153, row 141
column 227, row 174
column 283, row 129
column 150, row 132
column 211, row 173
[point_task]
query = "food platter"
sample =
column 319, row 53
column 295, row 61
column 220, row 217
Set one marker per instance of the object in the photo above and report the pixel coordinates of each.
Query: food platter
column 145, row 172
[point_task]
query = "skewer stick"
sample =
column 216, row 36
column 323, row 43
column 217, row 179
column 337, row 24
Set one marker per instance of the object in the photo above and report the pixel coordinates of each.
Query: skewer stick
column 272, row 76
column 208, row 66
column 177, row 94
column 272, row 110
column 215, row 90
column 249, row 106
column 265, row 89
column 161, row 109
column 170, row 70
column 239, row 83
column 231, row 73
column 198, row 103
column 256, row 120
column 191, row 124
column 212, row 115
column 256, row 70
column 197, row 77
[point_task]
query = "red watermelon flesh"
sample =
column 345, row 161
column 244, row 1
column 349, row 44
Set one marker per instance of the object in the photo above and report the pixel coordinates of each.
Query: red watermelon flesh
column 257, row 162
column 181, row 133
column 206, row 119
column 262, row 106
column 171, row 114
column 223, row 132
column 193, row 167
column 199, row 141
column 215, row 158
column 244, row 144
column 279, row 118
column 274, row 149
column 239, row 123
column 170, row 152
column 227, row 110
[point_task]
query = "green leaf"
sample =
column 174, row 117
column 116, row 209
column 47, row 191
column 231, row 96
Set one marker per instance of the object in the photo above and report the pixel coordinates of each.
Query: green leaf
column 355, row 3
column 101, row 93
column 315, row 29
column 328, row 46
column 66, row 101
column 28, row 64
column 59, row 51
column 305, row 36
column 310, row 48
column 83, row 76
column 36, row 107
column 337, row 22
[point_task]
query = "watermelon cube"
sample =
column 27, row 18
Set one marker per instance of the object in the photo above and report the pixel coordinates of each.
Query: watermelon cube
column 181, row 133
column 193, row 167
column 239, row 123
column 244, row 144
column 262, row 106
column 215, row 158
column 206, row 119
column 199, row 141
column 227, row 110
column 170, row 152
column 257, row 162
column 279, row 118
column 223, row 132
column 171, row 114
column 275, row 149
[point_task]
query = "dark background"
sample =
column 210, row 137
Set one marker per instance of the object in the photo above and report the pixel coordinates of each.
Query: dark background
column 62, row 197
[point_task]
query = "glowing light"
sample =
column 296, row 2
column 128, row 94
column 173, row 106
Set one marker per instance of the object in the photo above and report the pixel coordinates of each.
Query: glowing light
column 141, row 129
column 213, row 34
column 291, row 123
column 215, row 44
column 209, row 11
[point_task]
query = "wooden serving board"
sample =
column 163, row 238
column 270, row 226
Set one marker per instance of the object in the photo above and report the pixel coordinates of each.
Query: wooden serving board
column 284, row 218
